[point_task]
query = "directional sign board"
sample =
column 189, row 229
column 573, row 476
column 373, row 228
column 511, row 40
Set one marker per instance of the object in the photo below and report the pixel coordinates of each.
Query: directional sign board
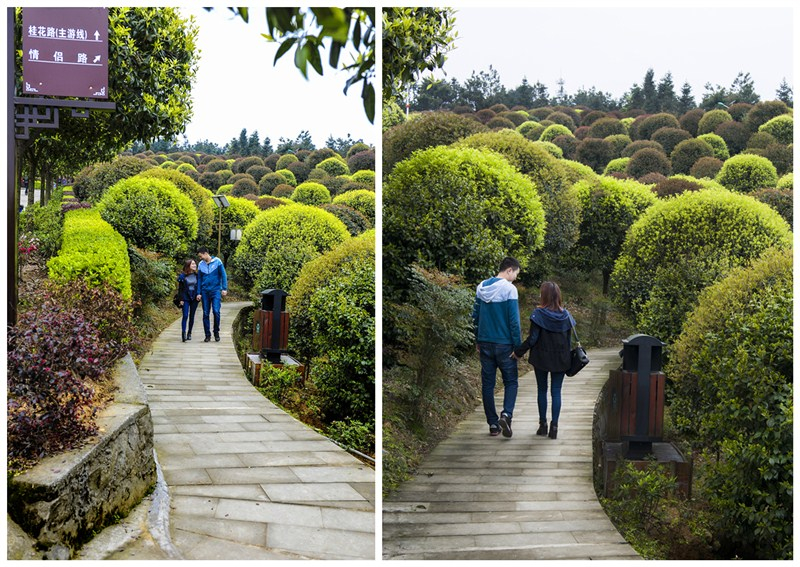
column 65, row 52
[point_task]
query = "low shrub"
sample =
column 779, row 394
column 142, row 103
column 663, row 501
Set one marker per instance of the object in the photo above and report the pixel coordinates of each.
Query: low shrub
column 670, row 137
column 553, row 131
column 530, row 129
column 93, row 181
column 285, row 160
column 311, row 193
column 735, row 135
column 649, row 125
column 761, row 140
column 675, row 186
column 152, row 276
column 300, row 170
column 690, row 120
column 594, row 152
column 500, row 123
column 365, row 176
column 269, row 182
column 781, row 127
column 258, row 171
column 46, row 224
column 151, row 213
column 605, row 127
column 634, row 147
column 763, row 112
column 746, row 173
column 618, row 165
column 283, row 190
column 782, row 200
column 711, row 121
column 786, row 182
column 557, row 117
column 361, row 200
column 686, row 154
column 355, row 221
column 648, row 160
column 551, row 148
column 618, row 142
column 782, row 157
column 717, row 144
column 364, row 160
column 288, row 177
column 706, row 167
column 93, row 251
column 244, row 186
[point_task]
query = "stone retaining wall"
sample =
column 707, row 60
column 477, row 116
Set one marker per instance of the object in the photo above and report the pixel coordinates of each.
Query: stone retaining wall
column 66, row 498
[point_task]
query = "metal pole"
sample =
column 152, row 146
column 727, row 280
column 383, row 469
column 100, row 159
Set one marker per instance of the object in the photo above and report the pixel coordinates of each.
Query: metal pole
column 12, row 194
column 219, row 232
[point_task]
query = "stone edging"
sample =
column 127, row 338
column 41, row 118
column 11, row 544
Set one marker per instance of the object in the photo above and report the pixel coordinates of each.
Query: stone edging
column 68, row 497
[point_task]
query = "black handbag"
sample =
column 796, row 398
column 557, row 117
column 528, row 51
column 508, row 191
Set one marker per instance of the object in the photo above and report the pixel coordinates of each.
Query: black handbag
column 577, row 356
column 176, row 301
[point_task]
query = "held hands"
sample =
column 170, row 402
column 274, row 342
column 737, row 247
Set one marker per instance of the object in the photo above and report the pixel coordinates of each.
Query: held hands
column 514, row 356
column 199, row 297
column 224, row 292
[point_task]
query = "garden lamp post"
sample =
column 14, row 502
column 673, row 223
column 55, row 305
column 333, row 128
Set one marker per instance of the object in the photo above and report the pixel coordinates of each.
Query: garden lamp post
column 221, row 201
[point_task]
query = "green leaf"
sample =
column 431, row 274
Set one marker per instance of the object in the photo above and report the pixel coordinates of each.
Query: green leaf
column 368, row 96
column 285, row 46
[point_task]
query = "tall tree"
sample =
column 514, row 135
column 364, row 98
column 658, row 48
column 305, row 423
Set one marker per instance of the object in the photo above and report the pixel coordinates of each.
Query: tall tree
column 784, row 93
column 649, row 92
column 483, row 89
column 667, row 101
column 302, row 142
column 686, row 102
column 540, row 95
column 522, row 95
column 415, row 40
column 743, row 89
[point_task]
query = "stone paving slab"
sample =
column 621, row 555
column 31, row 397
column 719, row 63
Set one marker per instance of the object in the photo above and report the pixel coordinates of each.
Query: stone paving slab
column 246, row 480
column 477, row 497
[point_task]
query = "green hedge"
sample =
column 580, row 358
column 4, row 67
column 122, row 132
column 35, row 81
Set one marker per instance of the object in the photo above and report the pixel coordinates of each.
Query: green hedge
column 681, row 245
column 732, row 397
column 460, row 210
column 92, row 250
column 278, row 241
column 311, row 193
column 151, row 213
column 94, row 180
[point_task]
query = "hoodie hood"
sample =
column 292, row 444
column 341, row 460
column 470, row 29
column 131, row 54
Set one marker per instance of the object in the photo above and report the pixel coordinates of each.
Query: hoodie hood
column 495, row 290
column 554, row 321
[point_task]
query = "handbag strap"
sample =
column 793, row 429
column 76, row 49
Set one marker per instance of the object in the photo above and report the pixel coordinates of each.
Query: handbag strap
column 577, row 340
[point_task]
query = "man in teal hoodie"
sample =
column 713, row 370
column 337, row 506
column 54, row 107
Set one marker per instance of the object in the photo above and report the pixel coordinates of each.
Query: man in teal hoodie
column 497, row 331
column 212, row 284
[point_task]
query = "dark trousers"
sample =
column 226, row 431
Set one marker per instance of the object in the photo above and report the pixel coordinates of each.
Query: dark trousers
column 212, row 301
column 189, row 308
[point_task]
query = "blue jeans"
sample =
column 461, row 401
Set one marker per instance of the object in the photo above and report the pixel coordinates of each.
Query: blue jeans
column 494, row 356
column 189, row 307
column 212, row 301
column 557, row 379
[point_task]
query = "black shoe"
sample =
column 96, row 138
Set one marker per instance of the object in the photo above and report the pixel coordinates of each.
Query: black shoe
column 505, row 425
column 189, row 337
column 207, row 339
column 183, row 337
column 542, row 427
column 553, row 431
column 494, row 430
column 216, row 337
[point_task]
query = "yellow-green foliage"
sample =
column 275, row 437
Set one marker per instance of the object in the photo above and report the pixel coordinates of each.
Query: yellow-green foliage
column 94, row 251
column 311, row 193
column 151, row 213
column 362, row 200
column 285, row 160
column 554, row 131
column 288, row 176
column 782, row 127
column 683, row 244
column 618, row 165
column 366, row 176
column 278, row 241
column 747, row 172
column 334, row 166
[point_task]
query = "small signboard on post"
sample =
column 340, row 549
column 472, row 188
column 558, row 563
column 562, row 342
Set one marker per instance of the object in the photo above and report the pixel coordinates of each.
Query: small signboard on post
column 65, row 52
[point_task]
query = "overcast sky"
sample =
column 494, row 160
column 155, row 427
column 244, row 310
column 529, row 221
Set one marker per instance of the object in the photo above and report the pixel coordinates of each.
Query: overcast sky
column 611, row 48
column 238, row 87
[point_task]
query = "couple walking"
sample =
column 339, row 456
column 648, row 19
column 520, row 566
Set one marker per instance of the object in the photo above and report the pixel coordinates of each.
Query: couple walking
column 206, row 282
column 497, row 332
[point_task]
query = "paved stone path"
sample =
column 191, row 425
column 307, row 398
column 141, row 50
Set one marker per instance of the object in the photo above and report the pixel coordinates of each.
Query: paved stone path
column 527, row 497
column 245, row 479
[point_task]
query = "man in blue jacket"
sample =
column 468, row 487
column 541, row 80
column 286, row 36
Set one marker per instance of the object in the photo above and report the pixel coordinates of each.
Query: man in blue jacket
column 212, row 284
column 497, row 331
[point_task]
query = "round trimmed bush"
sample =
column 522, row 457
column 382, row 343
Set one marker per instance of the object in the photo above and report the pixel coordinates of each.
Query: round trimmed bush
column 334, row 166
column 285, row 160
column 264, row 203
column 271, row 161
column 671, row 137
column 610, row 206
column 243, row 164
column 531, row 130
column 786, row 182
column 364, row 160
column 311, row 193
column 237, row 176
column 215, row 165
column 244, row 186
column 686, row 154
column 746, row 173
column 484, row 115
column 210, row 181
column 763, row 112
column 318, row 156
column 460, row 210
column 365, row 176
column 333, row 323
column 257, row 172
column 731, row 397
column 518, row 118
column 690, row 121
column 675, row 186
column 500, row 123
column 595, row 152
column 288, row 177
column 283, row 190
column 712, row 119
column 361, row 200
column 567, row 144
column 278, row 241
column 739, row 110
column 760, row 140
column 553, row 184
column 300, row 170
column 355, row 221
column 150, row 213
column 356, row 148
column 706, row 167
column 619, row 165
column 648, row 126
column 652, row 179
column 269, row 182
column 238, row 214
column 224, row 175
column 551, row 148
column 225, row 189
column 553, row 131
column 605, row 127
column 200, row 196
column 618, row 142
column 681, row 245
column 336, row 185
column 782, row 200
column 93, row 181
column 634, row 147
column 717, row 144
column 561, row 118
column 185, row 167
column 735, row 135
column 780, row 156
column 648, row 160
column 781, row 127
column 430, row 129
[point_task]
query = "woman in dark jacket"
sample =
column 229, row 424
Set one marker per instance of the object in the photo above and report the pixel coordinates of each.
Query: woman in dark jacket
column 549, row 343
column 187, row 292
